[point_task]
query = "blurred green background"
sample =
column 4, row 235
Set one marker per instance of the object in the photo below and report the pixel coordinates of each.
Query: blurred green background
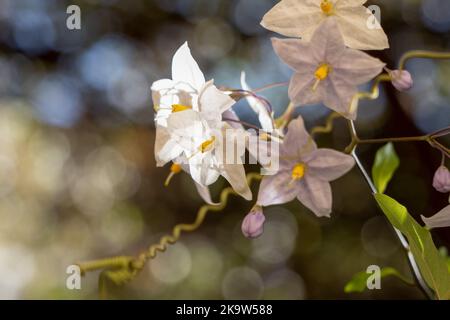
column 77, row 171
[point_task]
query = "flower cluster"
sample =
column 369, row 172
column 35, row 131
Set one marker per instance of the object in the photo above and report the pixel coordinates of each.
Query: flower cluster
column 196, row 127
column 190, row 126
column 198, row 132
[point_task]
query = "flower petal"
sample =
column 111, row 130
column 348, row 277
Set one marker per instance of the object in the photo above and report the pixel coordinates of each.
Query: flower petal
column 213, row 102
column 315, row 194
column 301, row 88
column 277, row 189
column 162, row 84
column 168, row 152
column 203, row 169
column 354, row 23
column 350, row 3
column 185, row 69
column 357, row 67
column 295, row 53
column 293, row 18
column 328, row 164
column 258, row 107
column 235, row 175
column 439, row 220
column 337, row 95
column 205, row 194
column 161, row 139
column 297, row 143
column 327, row 44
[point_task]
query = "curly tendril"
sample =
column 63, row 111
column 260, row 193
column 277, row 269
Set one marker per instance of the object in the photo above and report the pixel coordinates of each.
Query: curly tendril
column 122, row 269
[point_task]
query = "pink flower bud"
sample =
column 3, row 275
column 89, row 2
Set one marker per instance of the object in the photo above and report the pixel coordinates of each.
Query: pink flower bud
column 253, row 224
column 402, row 80
column 441, row 180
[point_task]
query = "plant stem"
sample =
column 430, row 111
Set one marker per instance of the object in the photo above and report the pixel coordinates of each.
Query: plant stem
column 401, row 139
column 282, row 121
column 271, row 86
column 421, row 54
column 430, row 138
column 328, row 124
column 246, row 124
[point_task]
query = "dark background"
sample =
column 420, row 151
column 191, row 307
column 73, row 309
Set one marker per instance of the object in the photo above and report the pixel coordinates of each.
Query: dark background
column 77, row 170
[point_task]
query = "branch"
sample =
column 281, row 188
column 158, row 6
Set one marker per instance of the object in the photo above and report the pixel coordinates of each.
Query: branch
column 421, row 54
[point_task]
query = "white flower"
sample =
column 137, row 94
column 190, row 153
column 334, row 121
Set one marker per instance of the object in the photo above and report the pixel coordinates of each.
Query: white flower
column 300, row 19
column 190, row 126
column 325, row 70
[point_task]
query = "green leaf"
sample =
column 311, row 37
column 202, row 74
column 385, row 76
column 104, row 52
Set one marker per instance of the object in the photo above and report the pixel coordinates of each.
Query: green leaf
column 359, row 281
column 386, row 163
column 432, row 265
column 444, row 253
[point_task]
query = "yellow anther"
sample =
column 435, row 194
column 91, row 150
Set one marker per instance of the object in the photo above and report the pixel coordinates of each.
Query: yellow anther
column 175, row 168
column 298, row 171
column 179, row 108
column 207, row 145
column 321, row 74
column 264, row 136
column 327, row 7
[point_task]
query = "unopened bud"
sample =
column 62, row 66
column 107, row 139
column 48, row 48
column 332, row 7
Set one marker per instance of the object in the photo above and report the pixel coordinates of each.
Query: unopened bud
column 441, row 180
column 253, row 224
column 401, row 80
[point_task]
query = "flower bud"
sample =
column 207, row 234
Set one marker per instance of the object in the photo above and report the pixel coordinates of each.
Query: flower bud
column 441, row 180
column 253, row 224
column 401, row 80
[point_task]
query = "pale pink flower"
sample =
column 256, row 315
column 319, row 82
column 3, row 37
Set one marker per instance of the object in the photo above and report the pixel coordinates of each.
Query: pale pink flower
column 325, row 69
column 304, row 172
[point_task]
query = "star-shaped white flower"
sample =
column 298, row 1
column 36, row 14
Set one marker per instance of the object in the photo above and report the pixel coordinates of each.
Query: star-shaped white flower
column 305, row 172
column 301, row 18
column 325, row 70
